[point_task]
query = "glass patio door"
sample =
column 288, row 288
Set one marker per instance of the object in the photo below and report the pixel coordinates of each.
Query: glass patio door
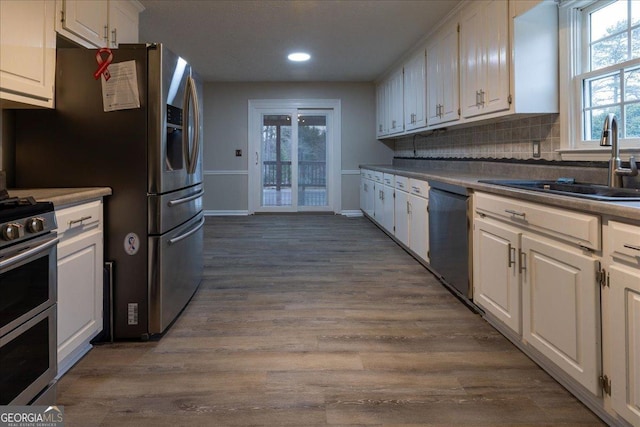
column 293, row 161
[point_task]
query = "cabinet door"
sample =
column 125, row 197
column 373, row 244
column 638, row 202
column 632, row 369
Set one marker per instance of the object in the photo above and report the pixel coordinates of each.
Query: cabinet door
column 495, row 87
column 496, row 278
column 561, row 307
column 85, row 21
column 471, row 57
column 401, row 216
column 123, row 22
column 388, row 221
column 381, row 109
column 378, row 203
column 79, row 290
column 415, row 92
column 419, row 226
column 449, row 73
column 442, row 70
column 27, row 52
column 434, row 82
column 484, row 69
column 370, row 197
column 625, row 341
column 396, row 103
column 363, row 193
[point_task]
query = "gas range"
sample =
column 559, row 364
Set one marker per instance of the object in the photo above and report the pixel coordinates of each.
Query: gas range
column 22, row 218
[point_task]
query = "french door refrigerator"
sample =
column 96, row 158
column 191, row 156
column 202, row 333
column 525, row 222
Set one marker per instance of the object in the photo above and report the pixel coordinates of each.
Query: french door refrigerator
column 151, row 158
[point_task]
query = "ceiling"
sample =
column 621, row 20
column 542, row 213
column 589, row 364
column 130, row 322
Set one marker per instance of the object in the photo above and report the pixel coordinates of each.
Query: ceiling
column 248, row 41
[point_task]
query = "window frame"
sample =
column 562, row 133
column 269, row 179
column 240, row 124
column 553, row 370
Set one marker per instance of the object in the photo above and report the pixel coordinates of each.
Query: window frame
column 573, row 38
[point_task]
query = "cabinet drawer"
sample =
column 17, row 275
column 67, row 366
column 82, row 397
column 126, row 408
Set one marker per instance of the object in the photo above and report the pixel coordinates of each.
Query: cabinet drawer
column 574, row 227
column 624, row 241
column 419, row 187
column 402, row 183
column 79, row 217
column 378, row 177
column 388, row 179
column 369, row 174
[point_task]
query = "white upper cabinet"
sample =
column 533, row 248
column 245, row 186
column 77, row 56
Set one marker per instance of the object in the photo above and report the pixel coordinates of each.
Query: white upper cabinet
column 123, row 22
column 511, row 65
column 382, row 110
column 443, row 81
column 396, row 104
column 415, row 92
column 98, row 23
column 27, row 53
column 484, row 32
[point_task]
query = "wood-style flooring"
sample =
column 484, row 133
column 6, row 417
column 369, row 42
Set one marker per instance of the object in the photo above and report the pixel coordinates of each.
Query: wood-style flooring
column 316, row 320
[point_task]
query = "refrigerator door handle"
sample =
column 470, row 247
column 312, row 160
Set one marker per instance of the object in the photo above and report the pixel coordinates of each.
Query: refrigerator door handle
column 195, row 196
column 187, row 234
column 191, row 96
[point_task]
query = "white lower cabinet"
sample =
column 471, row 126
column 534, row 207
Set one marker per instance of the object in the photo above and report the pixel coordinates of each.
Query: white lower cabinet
column 535, row 271
column 624, row 333
column 561, row 307
column 387, row 193
column 367, row 193
column 80, row 291
column 402, row 210
column 496, row 276
column 400, row 206
column 623, row 371
column 419, row 218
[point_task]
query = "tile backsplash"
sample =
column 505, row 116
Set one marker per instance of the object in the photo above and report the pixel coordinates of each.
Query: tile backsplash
column 512, row 139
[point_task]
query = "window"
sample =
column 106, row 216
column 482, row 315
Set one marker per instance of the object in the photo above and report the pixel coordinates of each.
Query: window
column 603, row 47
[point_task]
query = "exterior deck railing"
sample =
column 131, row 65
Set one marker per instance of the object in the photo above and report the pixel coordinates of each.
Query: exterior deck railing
column 278, row 174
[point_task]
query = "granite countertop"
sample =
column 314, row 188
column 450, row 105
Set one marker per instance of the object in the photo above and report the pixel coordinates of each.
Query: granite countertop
column 626, row 210
column 62, row 196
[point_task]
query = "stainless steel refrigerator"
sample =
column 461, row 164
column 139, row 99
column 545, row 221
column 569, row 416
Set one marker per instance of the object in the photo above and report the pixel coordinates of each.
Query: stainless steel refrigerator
column 149, row 155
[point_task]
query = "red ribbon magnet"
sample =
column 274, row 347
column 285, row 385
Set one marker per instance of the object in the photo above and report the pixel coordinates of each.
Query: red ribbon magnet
column 103, row 63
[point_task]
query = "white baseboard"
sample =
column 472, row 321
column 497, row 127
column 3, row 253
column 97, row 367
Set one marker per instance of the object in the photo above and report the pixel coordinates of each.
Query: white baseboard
column 351, row 213
column 225, row 213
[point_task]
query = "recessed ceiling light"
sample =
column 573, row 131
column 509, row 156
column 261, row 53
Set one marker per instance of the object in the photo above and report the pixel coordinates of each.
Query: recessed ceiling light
column 299, row 57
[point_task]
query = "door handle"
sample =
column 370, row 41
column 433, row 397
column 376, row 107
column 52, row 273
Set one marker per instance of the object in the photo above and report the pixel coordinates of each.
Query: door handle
column 257, row 158
column 511, row 255
column 187, row 234
column 523, row 262
column 175, row 202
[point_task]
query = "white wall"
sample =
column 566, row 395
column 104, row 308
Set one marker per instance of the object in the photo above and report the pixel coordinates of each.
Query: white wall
column 226, row 130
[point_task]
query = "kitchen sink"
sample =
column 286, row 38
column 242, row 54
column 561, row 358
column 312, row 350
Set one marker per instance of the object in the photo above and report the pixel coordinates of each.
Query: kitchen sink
column 570, row 188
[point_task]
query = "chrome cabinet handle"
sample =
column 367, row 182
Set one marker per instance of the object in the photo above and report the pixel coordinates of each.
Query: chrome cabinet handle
column 114, row 37
column 511, row 253
column 632, row 247
column 523, row 262
column 79, row 220
column 175, row 202
column 516, row 213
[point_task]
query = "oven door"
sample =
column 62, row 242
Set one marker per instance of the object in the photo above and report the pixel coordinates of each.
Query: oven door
column 175, row 271
column 28, row 280
column 28, row 361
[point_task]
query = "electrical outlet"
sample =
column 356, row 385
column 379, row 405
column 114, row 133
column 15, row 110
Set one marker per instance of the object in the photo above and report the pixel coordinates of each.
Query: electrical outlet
column 536, row 149
column 238, row 153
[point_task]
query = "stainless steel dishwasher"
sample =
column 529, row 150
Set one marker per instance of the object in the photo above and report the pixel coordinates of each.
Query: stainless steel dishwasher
column 449, row 236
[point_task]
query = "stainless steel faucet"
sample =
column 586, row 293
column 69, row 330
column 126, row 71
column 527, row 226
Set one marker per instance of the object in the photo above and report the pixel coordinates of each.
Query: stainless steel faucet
column 610, row 139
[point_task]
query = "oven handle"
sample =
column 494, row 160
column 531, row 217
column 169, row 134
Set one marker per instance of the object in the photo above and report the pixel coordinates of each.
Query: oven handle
column 174, row 202
column 187, row 234
column 26, row 254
